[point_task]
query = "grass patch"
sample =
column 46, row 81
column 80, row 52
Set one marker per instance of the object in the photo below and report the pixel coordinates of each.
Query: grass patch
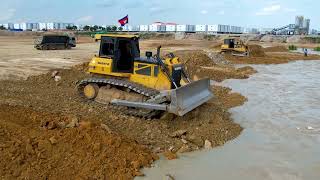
column 293, row 47
column 317, row 48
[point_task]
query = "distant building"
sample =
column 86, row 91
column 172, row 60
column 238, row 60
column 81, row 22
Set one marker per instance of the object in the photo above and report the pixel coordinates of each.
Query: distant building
column 143, row 28
column 43, row 26
column 201, row 28
column 299, row 22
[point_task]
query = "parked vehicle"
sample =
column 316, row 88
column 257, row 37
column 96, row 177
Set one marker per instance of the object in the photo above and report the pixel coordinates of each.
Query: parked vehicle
column 50, row 42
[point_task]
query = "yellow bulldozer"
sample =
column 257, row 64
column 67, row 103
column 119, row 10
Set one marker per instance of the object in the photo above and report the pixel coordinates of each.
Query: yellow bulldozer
column 143, row 86
column 234, row 46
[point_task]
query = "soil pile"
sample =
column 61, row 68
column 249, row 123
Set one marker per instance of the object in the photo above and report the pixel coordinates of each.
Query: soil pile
column 200, row 65
column 272, row 58
column 44, row 94
column 276, row 49
column 37, row 145
column 256, row 51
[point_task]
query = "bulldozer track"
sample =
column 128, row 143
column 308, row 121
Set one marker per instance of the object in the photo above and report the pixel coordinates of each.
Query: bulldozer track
column 148, row 92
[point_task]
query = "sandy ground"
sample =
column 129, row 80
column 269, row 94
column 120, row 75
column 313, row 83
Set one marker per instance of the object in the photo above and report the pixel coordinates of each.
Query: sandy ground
column 19, row 59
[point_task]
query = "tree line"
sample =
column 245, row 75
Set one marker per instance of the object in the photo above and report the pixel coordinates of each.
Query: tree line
column 88, row 28
column 96, row 28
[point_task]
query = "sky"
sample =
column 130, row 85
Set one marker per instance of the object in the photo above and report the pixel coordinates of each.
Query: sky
column 245, row 13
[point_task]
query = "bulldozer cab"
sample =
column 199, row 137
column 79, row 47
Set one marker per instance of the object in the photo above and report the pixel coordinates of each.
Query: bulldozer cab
column 230, row 42
column 122, row 50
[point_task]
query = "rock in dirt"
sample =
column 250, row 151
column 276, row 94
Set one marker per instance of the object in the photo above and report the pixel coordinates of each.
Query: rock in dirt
column 57, row 78
column 53, row 140
column 169, row 177
column 207, row 144
column 170, row 155
column 184, row 141
column 29, row 149
column 85, row 125
column 185, row 148
column 106, row 128
column 195, row 140
column 54, row 73
column 178, row 133
column 74, row 122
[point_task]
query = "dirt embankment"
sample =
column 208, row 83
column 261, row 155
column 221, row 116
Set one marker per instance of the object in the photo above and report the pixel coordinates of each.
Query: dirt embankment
column 200, row 65
column 276, row 49
column 271, row 55
column 33, row 143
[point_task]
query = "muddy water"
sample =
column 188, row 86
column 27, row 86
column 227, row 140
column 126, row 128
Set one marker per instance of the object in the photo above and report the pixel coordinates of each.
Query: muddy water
column 284, row 100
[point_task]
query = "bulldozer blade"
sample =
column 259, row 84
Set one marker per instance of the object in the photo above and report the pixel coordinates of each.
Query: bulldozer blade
column 189, row 97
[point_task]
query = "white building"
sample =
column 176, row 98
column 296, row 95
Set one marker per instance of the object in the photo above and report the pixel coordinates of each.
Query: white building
column 223, row 28
column 16, row 26
column 131, row 28
column 170, row 28
column 144, row 28
column 9, row 26
column 201, row 28
column 181, row 28
column 186, row 28
column 52, row 26
column 43, row 26
column 154, row 28
column 235, row 29
column 213, row 28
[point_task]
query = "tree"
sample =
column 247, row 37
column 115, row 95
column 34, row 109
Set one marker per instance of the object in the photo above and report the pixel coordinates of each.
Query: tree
column 120, row 28
column 69, row 27
column 74, row 28
column 2, row 27
column 86, row 28
column 114, row 28
column 109, row 29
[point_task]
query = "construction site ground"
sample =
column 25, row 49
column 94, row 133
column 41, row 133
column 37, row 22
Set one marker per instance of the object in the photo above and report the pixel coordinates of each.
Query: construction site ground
column 48, row 132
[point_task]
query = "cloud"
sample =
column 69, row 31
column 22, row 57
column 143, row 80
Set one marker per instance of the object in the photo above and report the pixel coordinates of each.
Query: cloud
column 85, row 19
column 204, row 12
column 7, row 14
column 269, row 10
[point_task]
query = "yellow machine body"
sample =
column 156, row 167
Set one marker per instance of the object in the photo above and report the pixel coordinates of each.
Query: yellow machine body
column 234, row 45
column 158, row 84
column 147, row 74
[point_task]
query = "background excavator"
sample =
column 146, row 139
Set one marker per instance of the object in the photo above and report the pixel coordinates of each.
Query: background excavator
column 234, row 46
column 145, row 86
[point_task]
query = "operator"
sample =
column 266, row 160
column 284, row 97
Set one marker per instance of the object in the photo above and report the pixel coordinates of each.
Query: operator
column 305, row 52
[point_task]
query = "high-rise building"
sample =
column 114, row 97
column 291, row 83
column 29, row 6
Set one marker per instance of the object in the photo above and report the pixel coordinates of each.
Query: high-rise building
column 299, row 21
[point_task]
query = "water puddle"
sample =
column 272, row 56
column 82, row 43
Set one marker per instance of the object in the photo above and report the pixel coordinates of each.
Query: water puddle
column 281, row 139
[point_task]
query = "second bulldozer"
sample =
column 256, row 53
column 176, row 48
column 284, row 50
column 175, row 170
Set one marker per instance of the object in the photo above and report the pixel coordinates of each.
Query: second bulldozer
column 143, row 85
column 234, row 46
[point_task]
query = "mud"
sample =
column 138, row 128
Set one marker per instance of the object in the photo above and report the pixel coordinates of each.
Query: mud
column 271, row 55
column 200, row 65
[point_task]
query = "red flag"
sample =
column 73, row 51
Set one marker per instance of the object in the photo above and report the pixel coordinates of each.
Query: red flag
column 124, row 20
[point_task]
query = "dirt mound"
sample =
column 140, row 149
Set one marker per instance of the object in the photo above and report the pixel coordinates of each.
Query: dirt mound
column 42, row 93
column 200, row 65
column 256, row 51
column 276, row 49
column 35, row 145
